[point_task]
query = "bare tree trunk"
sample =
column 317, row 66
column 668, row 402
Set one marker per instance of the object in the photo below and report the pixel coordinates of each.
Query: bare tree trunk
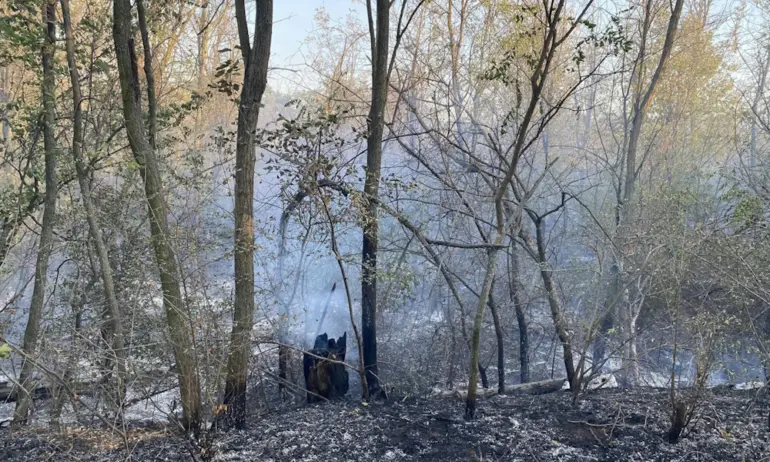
column 515, row 289
column 470, row 402
column 607, row 320
column 758, row 97
column 633, row 354
column 284, row 354
column 32, row 331
column 767, row 364
column 454, row 55
column 179, row 326
column 642, row 98
column 500, row 341
column 149, row 74
column 60, row 390
column 379, row 44
column 642, row 101
column 204, row 34
column 483, row 376
column 256, row 56
column 557, row 313
column 7, row 232
column 113, row 310
column 537, row 82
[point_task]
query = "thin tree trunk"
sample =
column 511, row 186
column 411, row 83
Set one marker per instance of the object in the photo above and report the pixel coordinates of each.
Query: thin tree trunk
column 642, row 98
column 454, row 55
column 500, row 341
column 537, row 82
column 643, row 101
column 32, row 331
column 204, row 35
column 483, row 376
column 379, row 43
column 256, row 58
column 179, row 326
column 59, row 390
column 633, row 354
column 7, row 233
column 767, row 363
column 149, row 74
column 113, row 310
column 611, row 304
column 758, row 97
column 515, row 289
column 284, row 354
column 557, row 313
column 470, row 402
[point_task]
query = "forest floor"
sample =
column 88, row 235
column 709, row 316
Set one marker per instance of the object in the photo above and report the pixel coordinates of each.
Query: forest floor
column 606, row 425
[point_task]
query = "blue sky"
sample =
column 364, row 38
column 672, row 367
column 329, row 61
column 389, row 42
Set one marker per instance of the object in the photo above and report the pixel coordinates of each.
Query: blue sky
column 293, row 20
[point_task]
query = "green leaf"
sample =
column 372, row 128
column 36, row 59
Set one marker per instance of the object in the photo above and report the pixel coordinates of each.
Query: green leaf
column 5, row 351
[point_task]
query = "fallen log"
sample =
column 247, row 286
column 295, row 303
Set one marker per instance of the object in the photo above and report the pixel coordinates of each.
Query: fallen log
column 531, row 388
column 462, row 393
column 537, row 388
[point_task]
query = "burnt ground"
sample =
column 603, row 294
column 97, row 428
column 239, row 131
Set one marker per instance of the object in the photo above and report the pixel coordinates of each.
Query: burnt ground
column 607, row 425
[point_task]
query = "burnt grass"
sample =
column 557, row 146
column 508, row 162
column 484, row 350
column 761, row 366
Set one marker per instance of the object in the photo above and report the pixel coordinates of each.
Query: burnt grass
column 606, row 425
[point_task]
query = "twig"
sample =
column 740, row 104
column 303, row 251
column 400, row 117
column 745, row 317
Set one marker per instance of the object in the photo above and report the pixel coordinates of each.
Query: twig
column 293, row 385
column 312, row 355
column 590, row 424
column 596, row 437
column 326, row 308
column 67, row 387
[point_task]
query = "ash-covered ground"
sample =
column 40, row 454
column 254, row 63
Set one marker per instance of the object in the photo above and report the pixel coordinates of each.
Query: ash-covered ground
column 606, row 425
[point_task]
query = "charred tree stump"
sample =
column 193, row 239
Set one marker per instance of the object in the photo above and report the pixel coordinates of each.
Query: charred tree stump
column 325, row 378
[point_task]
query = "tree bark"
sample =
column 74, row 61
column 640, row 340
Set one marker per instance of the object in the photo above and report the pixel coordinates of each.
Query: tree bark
column 179, row 326
column 284, row 354
column 8, row 227
column 149, row 74
column 500, row 341
column 59, row 390
column 113, row 310
column 379, row 38
column 758, row 98
column 557, row 313
column 255, row 57
column 204, row 35
column 521, row 319
column 32, row 331
column 611, row 305
column 470, row 402
column 643, row 100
